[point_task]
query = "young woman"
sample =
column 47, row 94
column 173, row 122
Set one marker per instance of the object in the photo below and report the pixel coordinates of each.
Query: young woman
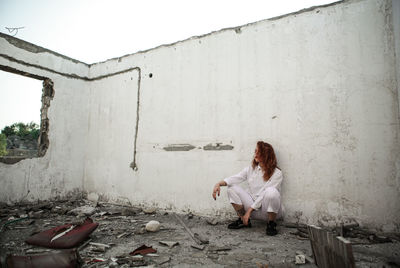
column 263, row 199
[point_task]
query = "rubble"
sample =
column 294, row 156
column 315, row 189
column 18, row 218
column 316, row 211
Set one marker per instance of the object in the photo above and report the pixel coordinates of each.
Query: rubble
column 152, row 226
column 82, row 211
column 182, row 239
column 300, row 259
column 170, row 244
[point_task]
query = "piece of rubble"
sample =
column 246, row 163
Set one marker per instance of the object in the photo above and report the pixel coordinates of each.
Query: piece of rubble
column 170, row 244
column 300, row 259
column 124, row 235
column 113, row 264
column 143, row 250
column 216, row 248
column 140, row 231
column 212, row 221
column 201, row 238
column 152, row 226
column 64, row 258
column 99, row 245
column 199, row 247
column 129, row 212
column 151, row 210
column 82, row 211
column 309, row 259
column 35, row 214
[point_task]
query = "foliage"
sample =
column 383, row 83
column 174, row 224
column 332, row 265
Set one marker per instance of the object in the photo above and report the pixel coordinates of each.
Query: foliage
column 29, row 131
column 3, row 145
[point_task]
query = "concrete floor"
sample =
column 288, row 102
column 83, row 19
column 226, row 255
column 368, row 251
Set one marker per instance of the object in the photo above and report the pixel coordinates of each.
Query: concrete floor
column 122, row 228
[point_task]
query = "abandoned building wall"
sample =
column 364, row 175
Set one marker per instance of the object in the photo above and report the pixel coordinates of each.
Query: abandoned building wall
column 319, row 85
column 161, row 127
column 60, row 171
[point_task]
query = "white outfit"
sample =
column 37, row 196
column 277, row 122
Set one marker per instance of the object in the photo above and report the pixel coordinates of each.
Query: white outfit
column 262, row 196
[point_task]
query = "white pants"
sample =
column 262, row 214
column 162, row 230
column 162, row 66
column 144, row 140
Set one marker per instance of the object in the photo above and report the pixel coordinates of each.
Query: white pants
column 270, row 203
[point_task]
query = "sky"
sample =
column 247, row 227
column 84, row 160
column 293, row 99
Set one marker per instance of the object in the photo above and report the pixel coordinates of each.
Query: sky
column 97, row 30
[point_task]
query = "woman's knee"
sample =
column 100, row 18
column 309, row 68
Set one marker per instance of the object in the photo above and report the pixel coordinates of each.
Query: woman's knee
column 272, row 193
column 233, row 190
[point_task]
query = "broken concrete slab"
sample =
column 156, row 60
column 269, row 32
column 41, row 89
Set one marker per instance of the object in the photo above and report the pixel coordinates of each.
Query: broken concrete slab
column 82, row 211
column 150, row 210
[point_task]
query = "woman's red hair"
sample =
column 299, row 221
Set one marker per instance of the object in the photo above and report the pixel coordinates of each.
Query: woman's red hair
column 267, row 157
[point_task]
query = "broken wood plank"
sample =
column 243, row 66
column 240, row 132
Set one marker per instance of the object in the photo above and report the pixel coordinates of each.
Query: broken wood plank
column 329, row 250
column 195, row 239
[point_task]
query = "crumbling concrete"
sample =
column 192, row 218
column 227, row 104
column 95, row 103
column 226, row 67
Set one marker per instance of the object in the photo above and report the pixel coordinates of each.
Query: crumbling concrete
column 119, row 234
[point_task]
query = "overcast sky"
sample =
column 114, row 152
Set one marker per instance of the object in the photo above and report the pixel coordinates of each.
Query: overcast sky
column 96, row 30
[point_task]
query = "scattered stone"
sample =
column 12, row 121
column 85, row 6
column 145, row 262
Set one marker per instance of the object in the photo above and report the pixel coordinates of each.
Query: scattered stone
column 152, row 226
column 170, row 244
column 141, row 231
column 212, row 221
column 190, row 215
column 149, row 210
column 300, row 259
column 128, row 212
column 199, row 247
column 35, row 214
column 82, row 211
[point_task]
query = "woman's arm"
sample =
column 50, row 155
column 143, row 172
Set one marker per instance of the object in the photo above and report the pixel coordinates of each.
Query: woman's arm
column 217, row 189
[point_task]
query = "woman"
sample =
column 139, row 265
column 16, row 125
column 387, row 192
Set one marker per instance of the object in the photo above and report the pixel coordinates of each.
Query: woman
column 262, row 200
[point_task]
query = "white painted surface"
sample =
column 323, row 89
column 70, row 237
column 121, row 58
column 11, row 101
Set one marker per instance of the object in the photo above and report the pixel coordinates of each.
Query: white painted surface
column 321, row 86
column 60, row 172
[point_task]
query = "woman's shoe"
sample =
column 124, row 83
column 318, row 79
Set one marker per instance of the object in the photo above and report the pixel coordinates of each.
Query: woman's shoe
column 271, row 228
column 239, row 224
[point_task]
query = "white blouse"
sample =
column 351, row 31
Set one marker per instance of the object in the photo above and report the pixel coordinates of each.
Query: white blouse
column 256, row 182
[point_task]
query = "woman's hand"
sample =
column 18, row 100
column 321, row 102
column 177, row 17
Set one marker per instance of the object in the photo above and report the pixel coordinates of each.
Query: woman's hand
column 217, row 190
column 246, row 216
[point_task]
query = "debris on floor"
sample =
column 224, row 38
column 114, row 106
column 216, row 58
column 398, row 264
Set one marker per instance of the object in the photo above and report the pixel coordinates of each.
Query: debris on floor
column 143, row 250
column 152, row 226
column 62, row 259
column 64, row 236
column 181, row 240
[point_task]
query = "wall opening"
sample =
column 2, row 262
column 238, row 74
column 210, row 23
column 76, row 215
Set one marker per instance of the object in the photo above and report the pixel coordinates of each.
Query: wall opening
column 24, row 123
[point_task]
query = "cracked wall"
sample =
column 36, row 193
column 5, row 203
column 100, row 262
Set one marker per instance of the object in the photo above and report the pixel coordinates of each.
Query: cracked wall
column 161, row 126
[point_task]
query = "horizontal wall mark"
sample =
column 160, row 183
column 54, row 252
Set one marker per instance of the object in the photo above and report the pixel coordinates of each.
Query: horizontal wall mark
column 179, row 147
column 217, row 147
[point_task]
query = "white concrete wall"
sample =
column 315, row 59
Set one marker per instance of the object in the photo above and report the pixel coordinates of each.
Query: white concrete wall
column 60, row 172
column 318, row 85
column 321, row 86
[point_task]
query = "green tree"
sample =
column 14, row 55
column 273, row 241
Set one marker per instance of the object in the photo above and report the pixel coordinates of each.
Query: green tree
column 30, row 130
column 3, row 145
